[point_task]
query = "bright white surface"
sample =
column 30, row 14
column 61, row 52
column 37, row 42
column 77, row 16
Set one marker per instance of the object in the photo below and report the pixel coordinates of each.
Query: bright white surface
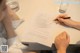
column 29, row 8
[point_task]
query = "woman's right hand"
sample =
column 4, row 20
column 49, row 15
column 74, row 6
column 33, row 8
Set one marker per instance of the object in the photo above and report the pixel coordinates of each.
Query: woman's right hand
column 67, row 22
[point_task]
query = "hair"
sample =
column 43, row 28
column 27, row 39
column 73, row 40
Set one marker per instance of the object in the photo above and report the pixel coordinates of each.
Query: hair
column 1, row 1
column 2, row 4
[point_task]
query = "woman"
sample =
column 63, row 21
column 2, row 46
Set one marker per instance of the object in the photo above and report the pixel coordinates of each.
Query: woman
column 7, row 31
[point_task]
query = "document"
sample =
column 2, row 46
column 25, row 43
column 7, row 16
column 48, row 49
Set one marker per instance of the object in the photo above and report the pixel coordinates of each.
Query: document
column 41, row 28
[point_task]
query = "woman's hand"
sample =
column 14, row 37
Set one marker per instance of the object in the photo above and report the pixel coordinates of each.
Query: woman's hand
column 62, row 42
column 68, row 22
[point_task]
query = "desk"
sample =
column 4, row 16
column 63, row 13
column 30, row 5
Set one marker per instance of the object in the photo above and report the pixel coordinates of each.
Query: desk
column 29, row 7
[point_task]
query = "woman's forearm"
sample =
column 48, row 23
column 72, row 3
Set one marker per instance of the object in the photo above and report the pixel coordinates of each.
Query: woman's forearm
column 77, row 25
column 61, row 51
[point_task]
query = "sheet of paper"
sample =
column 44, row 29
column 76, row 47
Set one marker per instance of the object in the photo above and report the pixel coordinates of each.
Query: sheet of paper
column 38, row 29
column 46, row 31
column 42, row 29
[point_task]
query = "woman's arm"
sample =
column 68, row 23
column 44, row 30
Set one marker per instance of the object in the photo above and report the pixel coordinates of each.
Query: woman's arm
column 77, row 25
column 68, row 22
column 62, row 42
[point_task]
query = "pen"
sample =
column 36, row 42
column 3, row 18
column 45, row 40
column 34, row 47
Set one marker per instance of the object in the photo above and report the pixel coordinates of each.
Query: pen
column 63, row 18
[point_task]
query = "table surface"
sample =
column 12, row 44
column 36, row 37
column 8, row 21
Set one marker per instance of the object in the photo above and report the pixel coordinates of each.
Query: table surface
column 29, row 7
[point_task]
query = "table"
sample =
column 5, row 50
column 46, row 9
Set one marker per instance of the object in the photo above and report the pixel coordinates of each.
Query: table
column 27, row 11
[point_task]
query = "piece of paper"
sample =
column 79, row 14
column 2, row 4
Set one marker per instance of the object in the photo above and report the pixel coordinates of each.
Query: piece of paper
column 38, row 29
column 42, row 29
column 45, row 30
